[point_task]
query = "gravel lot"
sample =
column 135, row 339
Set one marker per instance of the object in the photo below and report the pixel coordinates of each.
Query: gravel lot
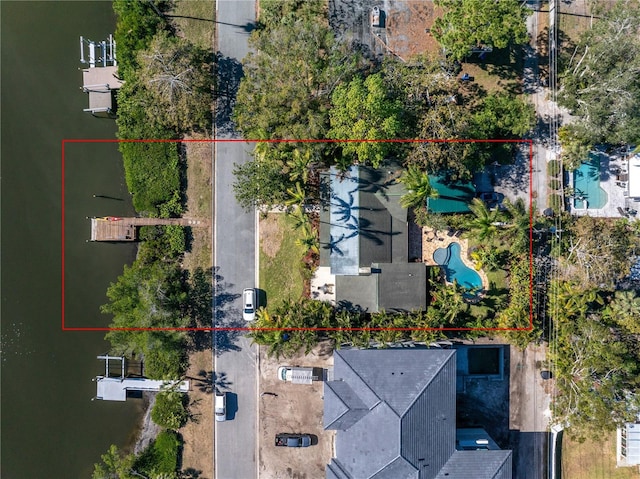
column 297, row 408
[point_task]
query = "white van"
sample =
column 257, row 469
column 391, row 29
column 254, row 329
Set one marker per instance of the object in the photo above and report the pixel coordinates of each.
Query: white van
column 221, row 406
column 249, row 304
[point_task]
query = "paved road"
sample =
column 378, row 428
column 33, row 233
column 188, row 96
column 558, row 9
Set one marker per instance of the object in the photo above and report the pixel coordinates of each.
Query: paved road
column 235, row 360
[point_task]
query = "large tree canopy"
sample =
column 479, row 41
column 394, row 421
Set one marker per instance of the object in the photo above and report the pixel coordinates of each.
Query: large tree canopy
column 595, row 364
column 598, row 251
column 364, row 110
column 178, row 77
column 601, row 84
column 467, row 24
column 433, row 109
column 289, row 77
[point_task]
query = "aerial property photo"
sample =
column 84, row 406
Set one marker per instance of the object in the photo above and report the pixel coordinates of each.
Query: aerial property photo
column 342, row 239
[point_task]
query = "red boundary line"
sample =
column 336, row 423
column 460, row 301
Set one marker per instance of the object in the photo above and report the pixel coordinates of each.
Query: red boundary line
column 77, row 140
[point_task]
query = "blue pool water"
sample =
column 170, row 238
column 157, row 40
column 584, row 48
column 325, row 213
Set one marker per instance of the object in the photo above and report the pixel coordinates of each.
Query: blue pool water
column 586, row 183
column 455, row 269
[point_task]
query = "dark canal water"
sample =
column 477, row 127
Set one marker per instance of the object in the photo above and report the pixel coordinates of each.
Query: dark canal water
column 50, row 427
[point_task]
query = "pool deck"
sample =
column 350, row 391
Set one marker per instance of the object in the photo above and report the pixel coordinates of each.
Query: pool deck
column 431, row 242
column 612, row 186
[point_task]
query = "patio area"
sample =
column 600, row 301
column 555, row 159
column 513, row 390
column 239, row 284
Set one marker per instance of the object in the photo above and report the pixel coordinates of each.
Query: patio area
column 323, row 285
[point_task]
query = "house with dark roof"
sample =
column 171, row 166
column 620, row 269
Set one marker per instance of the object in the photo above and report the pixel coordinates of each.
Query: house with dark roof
column 364, row 240
column 394, row 411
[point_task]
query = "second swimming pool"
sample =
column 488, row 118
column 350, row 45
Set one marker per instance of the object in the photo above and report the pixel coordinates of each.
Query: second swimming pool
column 586, row 183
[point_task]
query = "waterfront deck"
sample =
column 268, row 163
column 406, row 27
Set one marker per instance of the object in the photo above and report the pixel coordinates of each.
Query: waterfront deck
column 115, row 389
column 116, row 229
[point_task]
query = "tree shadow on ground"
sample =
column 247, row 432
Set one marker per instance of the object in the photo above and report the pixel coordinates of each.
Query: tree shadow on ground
column 229, row 73
column 514, row 177
column 200, row 307
column 227, row 318
column 210, row 381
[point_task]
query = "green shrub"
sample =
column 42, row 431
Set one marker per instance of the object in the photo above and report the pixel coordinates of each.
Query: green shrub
column 152, row 171
column 161, row 243
column 176, row 238
column 554, row 184
column 553, row 168
column 168, row 362
column 161, row 457
column 555, row 203
column 169, row 410
column 166, row 447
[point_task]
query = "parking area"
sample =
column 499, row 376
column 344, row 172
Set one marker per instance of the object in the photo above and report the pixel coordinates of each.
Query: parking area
column 284, row 407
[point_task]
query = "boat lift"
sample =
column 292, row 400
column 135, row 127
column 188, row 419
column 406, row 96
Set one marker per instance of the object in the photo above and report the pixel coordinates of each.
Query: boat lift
column 106, row 49
column 101, row 78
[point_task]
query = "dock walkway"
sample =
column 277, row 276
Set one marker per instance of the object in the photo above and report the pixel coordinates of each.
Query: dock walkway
column 112, row 228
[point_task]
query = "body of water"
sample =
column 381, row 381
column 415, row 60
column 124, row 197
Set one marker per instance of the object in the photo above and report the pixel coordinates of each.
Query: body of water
column 50, row 427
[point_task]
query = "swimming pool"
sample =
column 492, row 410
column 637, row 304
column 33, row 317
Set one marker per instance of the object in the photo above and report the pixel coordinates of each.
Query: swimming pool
column 455, row 269
column 586, row 184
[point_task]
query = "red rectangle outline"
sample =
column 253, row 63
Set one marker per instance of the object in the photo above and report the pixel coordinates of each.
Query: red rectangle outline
column 524, row 141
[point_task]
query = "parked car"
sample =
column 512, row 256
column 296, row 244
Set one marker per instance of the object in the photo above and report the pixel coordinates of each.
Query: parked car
column 293, row 440
column 249, row 304
column 221, row 406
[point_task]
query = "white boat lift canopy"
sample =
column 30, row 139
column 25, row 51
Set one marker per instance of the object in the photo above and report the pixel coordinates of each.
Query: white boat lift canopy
column 115, row 389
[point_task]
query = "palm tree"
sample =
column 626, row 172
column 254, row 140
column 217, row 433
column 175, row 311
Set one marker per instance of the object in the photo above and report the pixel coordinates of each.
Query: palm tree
column 519, row 225
column 418, row 187
column 300, row 164
column 297, row 196
column 309, row 241
column 484, row 222
column 300, row 219
column 625, row 310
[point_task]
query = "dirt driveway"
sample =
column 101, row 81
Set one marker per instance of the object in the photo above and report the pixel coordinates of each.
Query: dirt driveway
column 297, row 408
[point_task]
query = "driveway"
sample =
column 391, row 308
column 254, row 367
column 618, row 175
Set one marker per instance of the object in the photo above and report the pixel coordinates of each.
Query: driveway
column 530, row 412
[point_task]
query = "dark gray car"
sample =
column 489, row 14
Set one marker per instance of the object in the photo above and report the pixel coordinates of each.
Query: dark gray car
column 293, row 440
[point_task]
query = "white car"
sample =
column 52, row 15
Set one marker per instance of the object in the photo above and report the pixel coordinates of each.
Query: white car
column 249, row 304
column 221, row 406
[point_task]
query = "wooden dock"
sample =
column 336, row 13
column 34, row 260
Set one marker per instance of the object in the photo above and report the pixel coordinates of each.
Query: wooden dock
column 113, row 228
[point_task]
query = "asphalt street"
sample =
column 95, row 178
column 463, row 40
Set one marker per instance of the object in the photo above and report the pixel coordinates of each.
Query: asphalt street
column 235, row 359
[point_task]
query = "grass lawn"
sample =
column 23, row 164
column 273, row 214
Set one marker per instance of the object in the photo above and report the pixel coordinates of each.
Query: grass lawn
column 280, row 260
column 198, row 194
column 573, row 19
column 198, row 28
column 497, row 278
column 501, row 70
column 593, row 459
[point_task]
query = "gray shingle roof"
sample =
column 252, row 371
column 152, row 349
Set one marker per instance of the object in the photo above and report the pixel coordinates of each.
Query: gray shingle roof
column 394, row 410
column 395, row 376
column 396, row 287
column 477, row 464
column 374, row 440
column 398, row 469
column 344, row 407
